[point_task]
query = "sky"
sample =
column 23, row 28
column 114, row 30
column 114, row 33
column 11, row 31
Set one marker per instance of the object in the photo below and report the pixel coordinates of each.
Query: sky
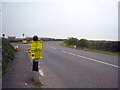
column 89, row 19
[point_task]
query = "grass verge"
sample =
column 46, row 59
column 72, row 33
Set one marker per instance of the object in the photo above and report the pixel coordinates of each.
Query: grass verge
column 0, row 58
column 7, row 54
column 36, row 83
column 17, row 42
column 91, row 50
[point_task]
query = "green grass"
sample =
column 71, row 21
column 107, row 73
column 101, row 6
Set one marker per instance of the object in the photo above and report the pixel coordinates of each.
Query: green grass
column 17, row 42
column 91, row 50
column 65, row 45
column 7, row 54
column 0, row 59
column 39, row 84
column 104, row 52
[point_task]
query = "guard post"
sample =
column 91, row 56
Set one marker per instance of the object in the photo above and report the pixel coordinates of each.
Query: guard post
column 35, row 54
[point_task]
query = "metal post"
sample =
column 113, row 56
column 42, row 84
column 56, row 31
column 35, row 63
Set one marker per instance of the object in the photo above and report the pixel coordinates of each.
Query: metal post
column 35, row 68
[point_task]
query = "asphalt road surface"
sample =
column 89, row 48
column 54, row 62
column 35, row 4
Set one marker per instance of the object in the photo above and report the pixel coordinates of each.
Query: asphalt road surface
column 64, row 67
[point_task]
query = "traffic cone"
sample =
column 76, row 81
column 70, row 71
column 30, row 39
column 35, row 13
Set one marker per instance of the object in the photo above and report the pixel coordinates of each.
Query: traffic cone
column 74, row 47
column 16, row 47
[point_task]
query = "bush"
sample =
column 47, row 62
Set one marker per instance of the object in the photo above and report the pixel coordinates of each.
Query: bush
column 72, row 41
column 83, row 43
column 7, row 54
column 111, row 46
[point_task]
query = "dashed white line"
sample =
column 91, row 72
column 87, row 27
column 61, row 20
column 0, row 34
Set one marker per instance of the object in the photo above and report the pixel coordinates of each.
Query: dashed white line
column 64, row 51
column 52, row 47
column 73, row 54
column 92, row 59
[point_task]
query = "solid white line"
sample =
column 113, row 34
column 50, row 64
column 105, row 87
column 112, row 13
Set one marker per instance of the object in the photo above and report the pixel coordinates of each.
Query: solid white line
column 41, row 73
column 99, row 61
column 92, row 59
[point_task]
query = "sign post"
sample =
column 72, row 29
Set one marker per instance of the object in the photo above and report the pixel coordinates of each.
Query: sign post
column 35, row 54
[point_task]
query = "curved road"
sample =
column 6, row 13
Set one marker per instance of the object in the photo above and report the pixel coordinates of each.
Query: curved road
column 64, row 67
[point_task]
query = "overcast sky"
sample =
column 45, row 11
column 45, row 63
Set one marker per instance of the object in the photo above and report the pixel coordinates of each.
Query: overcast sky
column 90, row 19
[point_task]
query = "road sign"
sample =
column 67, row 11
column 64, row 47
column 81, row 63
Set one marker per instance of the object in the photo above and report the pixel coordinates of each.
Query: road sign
column 36, row 50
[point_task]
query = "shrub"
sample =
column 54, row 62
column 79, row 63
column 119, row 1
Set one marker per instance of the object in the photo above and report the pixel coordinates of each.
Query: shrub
column 111, row 46
column 7, row 54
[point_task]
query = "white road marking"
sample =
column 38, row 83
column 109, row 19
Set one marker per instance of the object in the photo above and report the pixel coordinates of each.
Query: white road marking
column 52, row 47
column 25, row 83
column 73, row 54
column 95, row 60
column 41, row 73
column 64, row 51
column 99, row 61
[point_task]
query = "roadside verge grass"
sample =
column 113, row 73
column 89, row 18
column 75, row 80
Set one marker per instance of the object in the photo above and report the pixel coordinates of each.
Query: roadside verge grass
column 37, row 83
column 7, row 54
column 17, row 42
column 88, row 49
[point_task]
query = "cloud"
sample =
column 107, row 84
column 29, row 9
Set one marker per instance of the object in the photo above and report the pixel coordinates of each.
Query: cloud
column 62, row 18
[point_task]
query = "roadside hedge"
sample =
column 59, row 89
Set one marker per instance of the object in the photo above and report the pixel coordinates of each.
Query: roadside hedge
column 7, row 54
column 111, row 46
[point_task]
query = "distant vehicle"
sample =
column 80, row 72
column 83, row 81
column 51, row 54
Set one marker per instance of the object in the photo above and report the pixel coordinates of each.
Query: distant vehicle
column 24, row 41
